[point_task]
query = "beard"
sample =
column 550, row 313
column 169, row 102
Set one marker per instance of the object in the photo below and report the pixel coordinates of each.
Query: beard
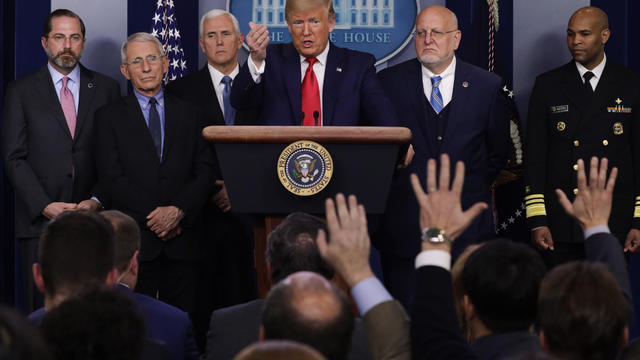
column 65, row 59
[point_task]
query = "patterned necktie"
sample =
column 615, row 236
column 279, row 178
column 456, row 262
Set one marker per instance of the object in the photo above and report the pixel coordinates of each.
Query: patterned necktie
column 587, row 84
column 229, row 111
column 310, row 96
column 68, row 106
column 436, row 96
column 154, row 126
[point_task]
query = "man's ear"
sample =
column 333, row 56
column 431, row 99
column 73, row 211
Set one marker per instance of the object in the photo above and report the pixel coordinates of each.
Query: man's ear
column 37, row 277
column 468, row 308
column 133, row 263
column 112, row 278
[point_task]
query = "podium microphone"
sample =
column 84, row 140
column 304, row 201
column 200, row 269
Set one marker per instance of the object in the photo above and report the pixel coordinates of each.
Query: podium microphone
column 316, row 115
column 302, row 118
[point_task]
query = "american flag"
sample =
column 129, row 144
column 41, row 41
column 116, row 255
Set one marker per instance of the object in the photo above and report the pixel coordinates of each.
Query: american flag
column 165, row 28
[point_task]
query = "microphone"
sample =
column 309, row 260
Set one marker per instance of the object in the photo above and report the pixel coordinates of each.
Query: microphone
column 301, row 118
column 316, row 115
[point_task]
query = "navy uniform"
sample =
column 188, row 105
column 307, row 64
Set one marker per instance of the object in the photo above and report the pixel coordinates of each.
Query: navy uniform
column 565, row 124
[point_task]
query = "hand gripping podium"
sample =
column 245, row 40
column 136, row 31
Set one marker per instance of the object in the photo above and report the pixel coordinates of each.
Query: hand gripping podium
column 271, row 171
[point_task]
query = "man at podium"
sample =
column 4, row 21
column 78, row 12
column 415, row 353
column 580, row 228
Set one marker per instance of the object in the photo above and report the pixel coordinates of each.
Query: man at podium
column 310, row 81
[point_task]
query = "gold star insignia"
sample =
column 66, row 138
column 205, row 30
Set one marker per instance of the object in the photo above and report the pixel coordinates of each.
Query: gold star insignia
column 618, row 101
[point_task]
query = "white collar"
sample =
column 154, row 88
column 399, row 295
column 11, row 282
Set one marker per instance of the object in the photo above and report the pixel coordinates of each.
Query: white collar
column 450, row 70
column 597, row 71
column 216, row 75
column 322, row 57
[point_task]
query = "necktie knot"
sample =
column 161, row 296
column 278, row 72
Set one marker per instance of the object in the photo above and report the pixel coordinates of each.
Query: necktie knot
column 435, row 81
column 311, row 61
column 65, row 80
column 587, row 76
column 153, row 101
column 226, row 80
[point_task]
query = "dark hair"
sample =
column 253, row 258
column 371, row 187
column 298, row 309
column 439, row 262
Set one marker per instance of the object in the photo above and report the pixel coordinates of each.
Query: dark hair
column 19, row 339
column 98, row 325
column 126, row 236
column 582, row 312
column 284, row 316
column 59, row 13
column 292, row 247
column 76, row 250
column 502, row 279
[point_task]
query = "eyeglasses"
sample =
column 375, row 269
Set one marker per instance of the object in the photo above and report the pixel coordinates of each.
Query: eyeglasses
column 223, row 35
column 60, row 38
column 151, row 60
column 434, row 34
column 314, row 23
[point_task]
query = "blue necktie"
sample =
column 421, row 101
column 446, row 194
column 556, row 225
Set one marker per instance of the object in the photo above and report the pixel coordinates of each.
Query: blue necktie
column 229, row 111
column 436, row 96
column 154, row 127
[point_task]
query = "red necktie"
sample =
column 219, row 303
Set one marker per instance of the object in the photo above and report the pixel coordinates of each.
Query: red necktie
column 68, row 106
column 310, row 96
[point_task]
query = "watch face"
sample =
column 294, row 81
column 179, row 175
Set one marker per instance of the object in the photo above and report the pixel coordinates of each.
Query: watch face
column 433, row 232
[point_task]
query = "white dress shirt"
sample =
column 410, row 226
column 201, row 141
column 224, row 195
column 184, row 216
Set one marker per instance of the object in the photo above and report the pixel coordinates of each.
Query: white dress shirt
column 446, row 84
column 73, row 84
column 218, row 85
column 597, row 71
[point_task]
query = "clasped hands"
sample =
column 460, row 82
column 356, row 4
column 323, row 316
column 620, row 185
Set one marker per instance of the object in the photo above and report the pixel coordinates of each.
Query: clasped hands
column 164, row 221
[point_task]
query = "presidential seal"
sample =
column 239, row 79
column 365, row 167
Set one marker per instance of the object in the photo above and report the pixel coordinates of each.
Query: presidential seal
column 305, row 168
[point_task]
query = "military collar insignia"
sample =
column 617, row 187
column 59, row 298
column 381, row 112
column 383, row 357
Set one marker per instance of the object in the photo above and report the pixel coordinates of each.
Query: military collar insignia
column 619, row 107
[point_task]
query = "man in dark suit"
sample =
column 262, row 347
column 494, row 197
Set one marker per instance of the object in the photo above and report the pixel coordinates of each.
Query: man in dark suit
column 163, row 322
column 291, row 247
column 582, row 109
column 155, row 166
column 46, row 138
column 228, row 264
column 451, row 108
column 339, row 86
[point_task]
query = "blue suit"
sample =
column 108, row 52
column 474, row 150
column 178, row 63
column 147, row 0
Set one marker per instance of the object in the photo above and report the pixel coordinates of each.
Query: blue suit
column 477, row 133
column 351, row 92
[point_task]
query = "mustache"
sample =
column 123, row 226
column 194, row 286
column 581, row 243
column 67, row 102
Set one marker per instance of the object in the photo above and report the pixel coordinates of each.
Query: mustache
column 66, row 52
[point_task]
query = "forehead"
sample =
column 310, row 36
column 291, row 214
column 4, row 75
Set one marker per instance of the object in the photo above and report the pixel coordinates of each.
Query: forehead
column 582, row 21
column 141, row 49
column 317, row 12
column 220, row 22
column 433, row 19
column 60, row 24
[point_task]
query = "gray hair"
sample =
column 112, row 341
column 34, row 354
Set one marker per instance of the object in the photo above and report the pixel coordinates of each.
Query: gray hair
column 215, row 13
column 139, row 37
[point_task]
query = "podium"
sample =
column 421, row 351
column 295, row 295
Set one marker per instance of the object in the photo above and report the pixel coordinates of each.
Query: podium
column 363, row 160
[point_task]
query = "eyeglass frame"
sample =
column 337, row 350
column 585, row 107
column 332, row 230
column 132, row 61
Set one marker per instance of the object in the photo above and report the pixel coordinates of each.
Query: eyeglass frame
column 151, row 59
column 438, row 34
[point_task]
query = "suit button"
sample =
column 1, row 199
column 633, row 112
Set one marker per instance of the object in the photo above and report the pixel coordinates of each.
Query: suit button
column 576, row 143
column 605, row 142
column 439, row 138
column 575, row 167
column 575, row 191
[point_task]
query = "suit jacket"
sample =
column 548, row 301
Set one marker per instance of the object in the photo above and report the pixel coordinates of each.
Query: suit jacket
column 43, row 163
column 477, row 133
column 564, row 125
column 198, row 89
column 351, row 93
column 235, row 327
column 136, row 181
column 167, row 324
column 387, row 326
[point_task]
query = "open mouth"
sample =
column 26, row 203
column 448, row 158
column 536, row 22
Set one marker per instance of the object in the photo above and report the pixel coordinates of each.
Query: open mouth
column 307, row 43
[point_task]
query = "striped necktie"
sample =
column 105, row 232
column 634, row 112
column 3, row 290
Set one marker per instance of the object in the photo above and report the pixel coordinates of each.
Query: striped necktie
column 436, row 96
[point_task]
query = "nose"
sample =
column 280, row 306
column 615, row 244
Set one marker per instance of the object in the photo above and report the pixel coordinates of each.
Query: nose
column 306, row 28
column 146, row 67
column 219, row 40
column 67, row 42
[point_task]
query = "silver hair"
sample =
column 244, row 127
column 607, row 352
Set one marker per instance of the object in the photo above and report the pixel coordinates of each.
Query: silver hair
column 215, row 13
column 139, row 37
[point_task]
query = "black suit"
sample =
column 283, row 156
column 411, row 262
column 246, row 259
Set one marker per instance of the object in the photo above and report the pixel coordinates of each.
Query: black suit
column 235, row 327
column 564, row 125
column 226, row 276
column 136, row 181
column 39, row 152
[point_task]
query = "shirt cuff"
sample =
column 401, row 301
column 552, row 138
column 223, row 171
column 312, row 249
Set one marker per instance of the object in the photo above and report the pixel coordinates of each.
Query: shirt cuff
column 256, row 73
column 595, row 230
column 96, row 199
column 434, row 258
column 368, row 293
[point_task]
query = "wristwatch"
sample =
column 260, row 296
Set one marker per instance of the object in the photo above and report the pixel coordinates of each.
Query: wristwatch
column 435, row 236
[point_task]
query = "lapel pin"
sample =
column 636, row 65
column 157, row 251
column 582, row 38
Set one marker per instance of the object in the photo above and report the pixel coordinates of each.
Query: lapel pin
column 339, row 69
column 465, row 84
column 90, row 85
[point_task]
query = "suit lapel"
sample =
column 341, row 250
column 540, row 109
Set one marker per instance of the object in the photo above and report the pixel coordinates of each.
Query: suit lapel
column 139, row 126
column 87, row 91
column 573, row 87
column 171, row 114
column 210, row 96
column 332, row 81
column 291, row 69
column 50, row 99
column 456, row 116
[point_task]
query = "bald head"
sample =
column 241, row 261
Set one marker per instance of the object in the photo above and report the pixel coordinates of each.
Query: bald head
column 587, row 32
column 307, row 308
column 437, row 37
